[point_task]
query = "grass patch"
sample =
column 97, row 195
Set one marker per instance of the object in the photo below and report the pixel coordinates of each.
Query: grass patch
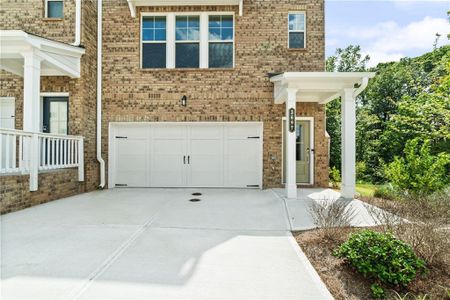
column 366, row 189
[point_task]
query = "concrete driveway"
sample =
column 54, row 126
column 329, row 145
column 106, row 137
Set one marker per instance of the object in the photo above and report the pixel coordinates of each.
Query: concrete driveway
column 156, row 244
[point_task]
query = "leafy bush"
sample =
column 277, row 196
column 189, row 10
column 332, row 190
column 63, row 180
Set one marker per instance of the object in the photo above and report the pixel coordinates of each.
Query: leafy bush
column 382, row 257
column 385, row 192
column 419, row 172
column 335, row 177
column 377, row 291
column 361, row 171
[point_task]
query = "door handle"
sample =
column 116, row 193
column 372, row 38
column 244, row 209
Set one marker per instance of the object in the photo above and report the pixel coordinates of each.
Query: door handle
column 184, row 159
column 189, row 159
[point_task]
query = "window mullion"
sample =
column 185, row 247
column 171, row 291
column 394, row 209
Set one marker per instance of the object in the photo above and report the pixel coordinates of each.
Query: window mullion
column 170, row 41
column 204, row 40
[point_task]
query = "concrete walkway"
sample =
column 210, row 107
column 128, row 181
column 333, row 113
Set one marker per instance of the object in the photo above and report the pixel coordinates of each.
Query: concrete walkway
column 155, row 244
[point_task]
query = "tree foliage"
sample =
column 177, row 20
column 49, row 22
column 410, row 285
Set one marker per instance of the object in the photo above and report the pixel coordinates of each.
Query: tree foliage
column 406, row 100
column 419, row 172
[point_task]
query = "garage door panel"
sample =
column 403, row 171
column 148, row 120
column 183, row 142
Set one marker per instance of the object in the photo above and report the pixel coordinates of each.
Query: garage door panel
column 242, row 162
column 169, row 131
column 168, row 166
column 132, row 162
column 133, row 132
column 220, row 155
column 169, row 147
column 242, row 131
column 213, row 132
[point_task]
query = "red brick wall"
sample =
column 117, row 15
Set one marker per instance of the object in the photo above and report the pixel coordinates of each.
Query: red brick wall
column 28, row 15
column 240, row 94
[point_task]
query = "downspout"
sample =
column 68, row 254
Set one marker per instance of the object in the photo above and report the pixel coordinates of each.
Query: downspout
column 99, row 92
column 77, row 23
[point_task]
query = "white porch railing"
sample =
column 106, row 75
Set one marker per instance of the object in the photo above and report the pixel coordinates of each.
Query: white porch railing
column 24, row 152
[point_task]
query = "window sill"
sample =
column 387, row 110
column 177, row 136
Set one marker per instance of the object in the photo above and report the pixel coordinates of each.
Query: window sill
column 52, row 19
column 298, row 49
column 186, row 69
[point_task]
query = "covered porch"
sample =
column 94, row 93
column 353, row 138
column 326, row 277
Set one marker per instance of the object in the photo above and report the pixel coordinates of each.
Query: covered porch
column 30, row 151
column 321, row 88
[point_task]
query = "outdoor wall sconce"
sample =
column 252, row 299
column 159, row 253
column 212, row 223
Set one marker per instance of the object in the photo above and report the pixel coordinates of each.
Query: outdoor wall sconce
column 292, row 120
column 184, row 101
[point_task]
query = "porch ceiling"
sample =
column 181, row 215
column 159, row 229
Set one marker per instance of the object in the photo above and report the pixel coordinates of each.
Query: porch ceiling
column 57, row 59
column 320, row 87
column 135, row 3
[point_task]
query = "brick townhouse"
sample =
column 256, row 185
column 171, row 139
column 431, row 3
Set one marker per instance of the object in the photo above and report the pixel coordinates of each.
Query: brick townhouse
column 173, row 93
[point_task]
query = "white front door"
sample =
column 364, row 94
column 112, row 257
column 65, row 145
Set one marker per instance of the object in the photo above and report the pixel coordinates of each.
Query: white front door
column 186, row 155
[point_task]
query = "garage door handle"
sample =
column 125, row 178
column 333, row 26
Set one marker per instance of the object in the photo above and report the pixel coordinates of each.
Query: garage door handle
column 189, row 160
column 184, row 159
column 253, row 137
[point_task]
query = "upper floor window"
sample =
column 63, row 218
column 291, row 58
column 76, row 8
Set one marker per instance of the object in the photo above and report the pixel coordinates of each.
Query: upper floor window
column 54, row 9
column 194, row 40
column 297, row 30
column 221, row 41
column 187, row 49
column 154, row 42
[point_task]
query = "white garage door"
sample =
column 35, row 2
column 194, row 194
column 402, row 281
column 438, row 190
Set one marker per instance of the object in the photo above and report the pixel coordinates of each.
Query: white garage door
column 185, row 155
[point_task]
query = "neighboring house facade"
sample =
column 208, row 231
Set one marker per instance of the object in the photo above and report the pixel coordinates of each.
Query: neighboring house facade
column 191, row 95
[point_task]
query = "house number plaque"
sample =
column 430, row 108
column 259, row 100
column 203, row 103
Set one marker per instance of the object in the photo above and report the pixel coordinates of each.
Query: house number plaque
column 292, row 120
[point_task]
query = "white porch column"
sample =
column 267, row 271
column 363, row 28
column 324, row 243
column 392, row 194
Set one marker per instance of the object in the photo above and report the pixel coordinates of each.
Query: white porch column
column 291, row 172
column 31, row 91
column 348, row 150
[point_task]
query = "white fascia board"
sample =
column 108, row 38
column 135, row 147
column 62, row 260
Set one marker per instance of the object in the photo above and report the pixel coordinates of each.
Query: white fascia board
column 20, row 39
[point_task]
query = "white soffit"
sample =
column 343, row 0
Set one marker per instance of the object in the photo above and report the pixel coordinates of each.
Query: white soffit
column 321, row 87
column 135, row 3
column 57, row 58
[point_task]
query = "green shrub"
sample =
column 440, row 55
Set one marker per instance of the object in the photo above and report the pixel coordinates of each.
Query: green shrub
column 381, row 257
column 385, row 192
column 361, row 171
column 377, row 291
column 335, row 177
column 419, row 172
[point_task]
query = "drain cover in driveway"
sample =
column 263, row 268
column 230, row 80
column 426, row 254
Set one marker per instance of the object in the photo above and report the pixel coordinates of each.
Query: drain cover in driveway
column 194, row 200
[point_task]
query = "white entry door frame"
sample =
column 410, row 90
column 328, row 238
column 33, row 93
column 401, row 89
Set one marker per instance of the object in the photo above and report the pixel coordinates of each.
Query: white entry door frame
column 311, row 150
column 185, row 154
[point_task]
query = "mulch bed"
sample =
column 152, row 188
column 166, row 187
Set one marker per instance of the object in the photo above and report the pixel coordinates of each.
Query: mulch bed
column 344, row 283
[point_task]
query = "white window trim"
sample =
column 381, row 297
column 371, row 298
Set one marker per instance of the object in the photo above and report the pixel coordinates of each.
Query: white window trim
column 171, row 40
column 189, row 41
column 221, row 41
column 153, row 42
column 289, row 30
column 46, row 8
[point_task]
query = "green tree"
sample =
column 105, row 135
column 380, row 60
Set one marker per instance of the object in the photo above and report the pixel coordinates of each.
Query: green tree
column 419, row 171
column 348, row 59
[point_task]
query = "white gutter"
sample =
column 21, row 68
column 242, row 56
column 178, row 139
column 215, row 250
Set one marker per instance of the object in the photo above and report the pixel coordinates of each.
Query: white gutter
column 77, row 23
column 362, row 87
column 99, row 92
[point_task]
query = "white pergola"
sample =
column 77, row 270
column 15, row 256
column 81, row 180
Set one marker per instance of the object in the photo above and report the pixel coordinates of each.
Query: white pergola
column 135, row 3
column 322, row 87
column 31, row 57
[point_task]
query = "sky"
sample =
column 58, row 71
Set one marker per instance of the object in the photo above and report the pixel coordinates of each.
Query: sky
column 386, row 30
